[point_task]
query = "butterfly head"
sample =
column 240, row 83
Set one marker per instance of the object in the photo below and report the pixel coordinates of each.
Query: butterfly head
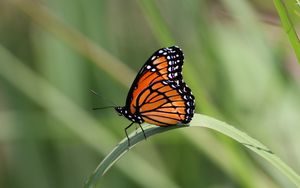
column 120, row 110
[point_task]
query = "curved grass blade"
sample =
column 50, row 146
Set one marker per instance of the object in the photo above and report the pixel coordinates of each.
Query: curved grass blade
column 122, row 148
column 199, row 121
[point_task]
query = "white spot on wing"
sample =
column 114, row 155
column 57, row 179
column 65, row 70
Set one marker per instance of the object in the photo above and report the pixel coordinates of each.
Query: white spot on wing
column 165, row 82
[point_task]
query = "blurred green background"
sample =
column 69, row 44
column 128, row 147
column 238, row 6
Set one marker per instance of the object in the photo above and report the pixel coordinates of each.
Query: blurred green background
column 239, row 65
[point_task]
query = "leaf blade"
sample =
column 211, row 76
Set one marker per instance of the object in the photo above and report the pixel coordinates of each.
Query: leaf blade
column 288, row 25
column 199, row 121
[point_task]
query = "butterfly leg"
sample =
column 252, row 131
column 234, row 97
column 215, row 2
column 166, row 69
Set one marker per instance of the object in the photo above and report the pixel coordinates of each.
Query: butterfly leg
column 143, row 131
column 128, row 140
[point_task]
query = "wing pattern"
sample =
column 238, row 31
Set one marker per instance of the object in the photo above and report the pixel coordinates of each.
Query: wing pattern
column 159, row 94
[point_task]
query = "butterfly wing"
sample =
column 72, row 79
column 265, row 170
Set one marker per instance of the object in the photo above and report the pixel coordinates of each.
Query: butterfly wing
column 166, row 103
column 161, row 78
column 163, row 64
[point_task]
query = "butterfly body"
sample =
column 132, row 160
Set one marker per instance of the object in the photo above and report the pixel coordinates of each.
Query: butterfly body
column 159, row 94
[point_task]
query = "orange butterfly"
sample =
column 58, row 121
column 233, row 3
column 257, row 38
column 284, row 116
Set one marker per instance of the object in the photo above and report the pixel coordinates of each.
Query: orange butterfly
column 158, row 94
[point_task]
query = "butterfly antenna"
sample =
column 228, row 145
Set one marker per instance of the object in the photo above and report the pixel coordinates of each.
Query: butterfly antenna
column 97, row 94
column 99, row 108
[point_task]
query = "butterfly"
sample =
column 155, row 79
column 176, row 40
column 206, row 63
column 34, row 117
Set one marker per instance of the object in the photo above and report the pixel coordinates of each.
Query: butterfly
column 159, row 95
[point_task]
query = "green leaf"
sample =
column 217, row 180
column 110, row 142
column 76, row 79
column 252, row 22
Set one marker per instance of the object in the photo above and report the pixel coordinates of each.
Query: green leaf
column 288, row 25
column 198, row 121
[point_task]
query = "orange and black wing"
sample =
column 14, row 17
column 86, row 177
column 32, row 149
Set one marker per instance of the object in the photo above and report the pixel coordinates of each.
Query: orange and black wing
column 159, row 93
column 164, row 64
column 166, row 103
